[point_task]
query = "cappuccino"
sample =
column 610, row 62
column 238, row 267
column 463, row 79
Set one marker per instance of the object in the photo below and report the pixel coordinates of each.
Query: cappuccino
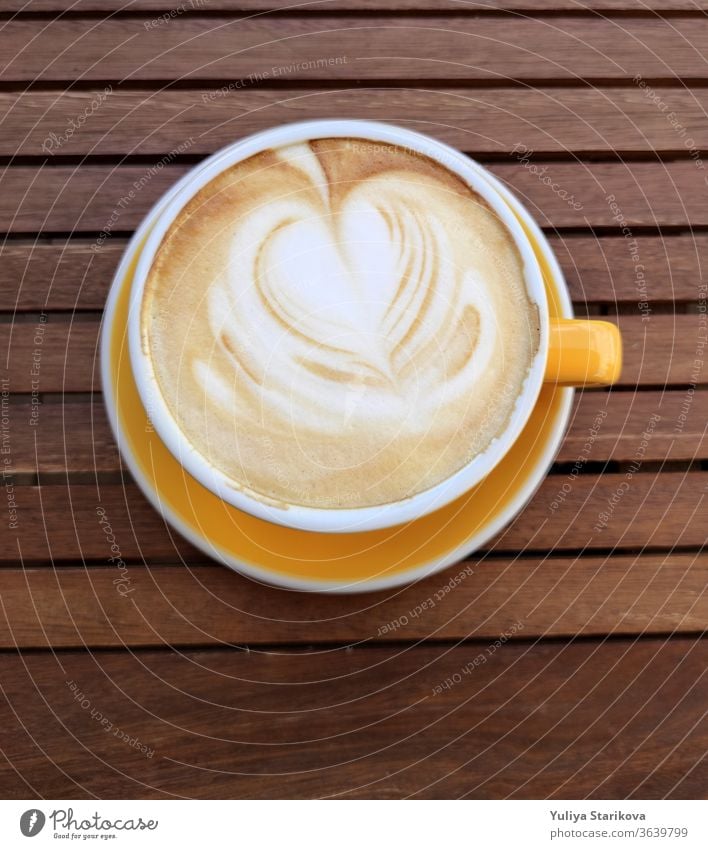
column 338, row 323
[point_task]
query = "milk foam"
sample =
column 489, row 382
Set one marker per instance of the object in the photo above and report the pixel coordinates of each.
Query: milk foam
column 338, row 323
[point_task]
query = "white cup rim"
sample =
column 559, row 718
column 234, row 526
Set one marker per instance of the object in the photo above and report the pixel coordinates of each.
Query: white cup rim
column 334, row 520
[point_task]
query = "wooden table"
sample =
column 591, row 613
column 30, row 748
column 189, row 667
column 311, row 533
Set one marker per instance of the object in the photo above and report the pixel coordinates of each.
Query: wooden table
column 583, row 652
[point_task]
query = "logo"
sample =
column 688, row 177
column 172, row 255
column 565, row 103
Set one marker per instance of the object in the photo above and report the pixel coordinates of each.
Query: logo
column 32, row 822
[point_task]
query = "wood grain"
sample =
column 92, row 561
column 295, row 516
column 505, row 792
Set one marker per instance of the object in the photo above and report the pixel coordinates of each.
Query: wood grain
column 403, row 46
column 665, row 349
column 69, row 275
column 57, row 274
column 659, row 351
column 606, row 269
column 98, row 198
column 526, row 596
column 586, row 719
column 305, row 6
column 629, row 414
column 645, row 509
column 74, row 435
column 477, row 120
column 51, row 354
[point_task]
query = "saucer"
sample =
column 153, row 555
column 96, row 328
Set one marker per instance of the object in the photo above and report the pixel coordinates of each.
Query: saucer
column 305, row 560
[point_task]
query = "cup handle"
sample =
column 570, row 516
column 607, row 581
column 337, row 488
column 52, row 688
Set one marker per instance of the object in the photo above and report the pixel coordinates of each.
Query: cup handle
column 583, row 353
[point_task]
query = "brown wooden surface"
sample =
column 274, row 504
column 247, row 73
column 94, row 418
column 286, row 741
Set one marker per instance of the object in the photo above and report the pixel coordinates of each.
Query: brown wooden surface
column 74, row 606
column 402, row 46
column 477, row 120
column 585, row 666
column 530, row 722
column 303, row 6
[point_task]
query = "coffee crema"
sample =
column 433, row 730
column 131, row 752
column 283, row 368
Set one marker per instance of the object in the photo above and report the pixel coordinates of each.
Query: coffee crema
column 338, row 323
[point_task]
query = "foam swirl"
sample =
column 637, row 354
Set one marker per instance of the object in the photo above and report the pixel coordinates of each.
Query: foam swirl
column 354, row 313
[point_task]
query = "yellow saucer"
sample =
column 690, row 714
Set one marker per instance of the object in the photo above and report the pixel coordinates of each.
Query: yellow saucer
column 314, row 561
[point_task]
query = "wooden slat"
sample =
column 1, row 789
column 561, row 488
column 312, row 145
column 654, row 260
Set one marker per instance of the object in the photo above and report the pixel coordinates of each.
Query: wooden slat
column 74, row 436
column 59, row 523
column 592, row 720
column 402, row 46
column 61, row 275
column 477, row 120
column 643, row 193
column 74, row 607
column 607, row 427
column 660, row 351
column 89, row 197
column 305, row 6
column 70, row 436
column 606, row 269
column 65, row 275
column 98, row 197
column 55, row 355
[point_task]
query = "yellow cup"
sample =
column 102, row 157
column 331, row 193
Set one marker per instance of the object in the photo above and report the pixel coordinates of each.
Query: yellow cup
column 583, row 353
column 571, row 352
column 579, row 353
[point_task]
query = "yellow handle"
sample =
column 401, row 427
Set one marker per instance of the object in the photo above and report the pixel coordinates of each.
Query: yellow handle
column 583, row 353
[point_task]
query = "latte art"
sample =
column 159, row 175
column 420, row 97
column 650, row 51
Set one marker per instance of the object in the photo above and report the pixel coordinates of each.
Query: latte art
column 355, row 302
column 338, row 323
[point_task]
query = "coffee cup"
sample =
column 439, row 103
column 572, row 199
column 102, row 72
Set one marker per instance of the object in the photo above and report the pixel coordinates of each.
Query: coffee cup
column 320, row 408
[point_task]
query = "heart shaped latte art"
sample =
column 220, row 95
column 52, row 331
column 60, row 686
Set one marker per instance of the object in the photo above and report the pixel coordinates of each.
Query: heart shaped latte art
column 355, row 301
column 357, row 323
